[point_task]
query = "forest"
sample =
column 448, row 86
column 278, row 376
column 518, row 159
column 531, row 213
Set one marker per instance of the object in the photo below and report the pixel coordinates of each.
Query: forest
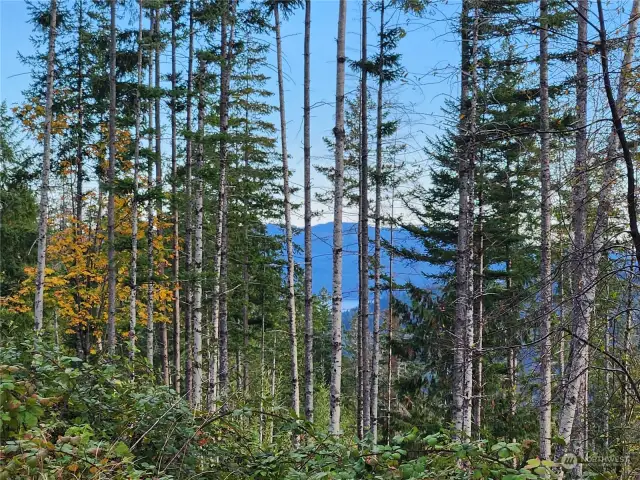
column 181, row 298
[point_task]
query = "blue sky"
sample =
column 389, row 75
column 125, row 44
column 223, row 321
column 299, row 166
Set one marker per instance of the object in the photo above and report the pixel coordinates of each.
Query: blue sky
column 430, row 55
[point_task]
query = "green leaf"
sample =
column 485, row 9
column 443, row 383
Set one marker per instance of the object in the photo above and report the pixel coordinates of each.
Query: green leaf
column 30, row 420
column 121, row 449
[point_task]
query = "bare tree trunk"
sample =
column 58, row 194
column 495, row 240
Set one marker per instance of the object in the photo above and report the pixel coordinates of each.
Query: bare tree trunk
column 585, row 267
column 617, row 108
column 164, row 340
column 245, row 264
column 582, row 304
column 133, row 269
column 273, row 389
column 197, row 257
column 308, row 272
column 111, row 214
column 375, row 347
column 43, row 211
column 336, row 307
column 607, row 383
column 545, row 241
column 472, row 153
column 359, row 358
column 262, row 376
column 79, row 197
column 245, row 325
column 463, row 324
column 177, row 341
column 561, row 354
column 364, row 230
column 291, row 301
column 512, row 356
column 188, row 314
column 390, row 324
column 56, row 333
column 219, row 317
column 478, row 313
column 150, row 227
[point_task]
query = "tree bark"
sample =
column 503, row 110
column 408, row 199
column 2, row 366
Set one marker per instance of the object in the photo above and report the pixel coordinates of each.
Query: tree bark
column 164, row 354
column 150, row 226
column 582, row 304
column 219, row 317
column 615, row 106
column 463, row 325
column 390, row 324
column 79, row 197
column 545, row 241
column 336, row 303
column 478, row 314
column 111, row 215
column 586, row 258
column 177, row 341
column 291, row 300
column 375, row 347
column 308, row 272
column 43, row 210
column 198, row 244
column 364, row 230
column 133, row 269
column 188, row 313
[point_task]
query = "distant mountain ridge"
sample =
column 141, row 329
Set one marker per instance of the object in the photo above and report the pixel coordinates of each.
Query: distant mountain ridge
column 322, row 246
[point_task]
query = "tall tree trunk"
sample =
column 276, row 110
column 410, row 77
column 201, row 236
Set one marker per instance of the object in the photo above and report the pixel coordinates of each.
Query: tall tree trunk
column 79, row 197
column 478, row 314
column 336, row 303
column 512, row 355
column 245, row 263
column 561, row 341
column 262, row 374
column 617, row 108
column 582, row 304
column 291, row 300
column 188, row 313
column 219, row 314
column 177, row 341
column 359, row 358
column 245, row 323
column 390, row 324
column 585, row 266
column 43, row 211
column 463, row 324
column 607, row 382
column 308, row 272
column 197, row 256
column 364, row 230
column 164, row 354
column 111, row 214
column 375, row 347
column 273, row 390
column 133, row 269
column 545, row 241
column 150, row 225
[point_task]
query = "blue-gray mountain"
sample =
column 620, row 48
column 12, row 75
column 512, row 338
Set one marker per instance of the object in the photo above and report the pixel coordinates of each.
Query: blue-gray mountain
column 322, row 258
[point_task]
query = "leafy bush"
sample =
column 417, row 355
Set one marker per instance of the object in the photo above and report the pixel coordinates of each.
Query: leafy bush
column 62, row 418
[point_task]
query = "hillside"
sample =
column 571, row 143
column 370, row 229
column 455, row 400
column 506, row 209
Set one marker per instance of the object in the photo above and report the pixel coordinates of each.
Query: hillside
column 322, row 255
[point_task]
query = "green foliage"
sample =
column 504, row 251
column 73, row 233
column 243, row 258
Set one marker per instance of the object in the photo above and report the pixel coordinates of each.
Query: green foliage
column 17, row 206
column 63, row 418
